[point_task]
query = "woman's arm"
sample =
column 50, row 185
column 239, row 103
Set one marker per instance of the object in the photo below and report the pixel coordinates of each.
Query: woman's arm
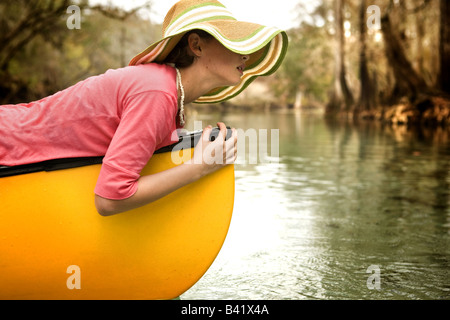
column 156, row 186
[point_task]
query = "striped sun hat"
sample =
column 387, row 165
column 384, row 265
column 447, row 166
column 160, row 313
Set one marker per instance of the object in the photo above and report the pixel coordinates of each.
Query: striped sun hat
column 266, row 46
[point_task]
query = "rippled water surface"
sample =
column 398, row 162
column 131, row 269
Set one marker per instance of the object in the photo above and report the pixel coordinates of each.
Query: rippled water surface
column 336, row 200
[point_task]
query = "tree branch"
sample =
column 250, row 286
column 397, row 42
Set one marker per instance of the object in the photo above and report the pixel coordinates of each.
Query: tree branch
column 116, row 13
column 419, row 8
column 40, row 16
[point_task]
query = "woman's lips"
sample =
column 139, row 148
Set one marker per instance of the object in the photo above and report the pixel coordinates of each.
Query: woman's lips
column 241, row 68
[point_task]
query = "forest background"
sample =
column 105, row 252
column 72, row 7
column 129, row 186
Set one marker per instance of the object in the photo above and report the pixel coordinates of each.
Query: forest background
column 385, row 60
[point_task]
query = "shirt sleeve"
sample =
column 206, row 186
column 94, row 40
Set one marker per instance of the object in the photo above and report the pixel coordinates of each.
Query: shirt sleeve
column 147, row 118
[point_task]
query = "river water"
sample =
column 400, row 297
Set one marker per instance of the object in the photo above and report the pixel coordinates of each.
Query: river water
column 333, row 211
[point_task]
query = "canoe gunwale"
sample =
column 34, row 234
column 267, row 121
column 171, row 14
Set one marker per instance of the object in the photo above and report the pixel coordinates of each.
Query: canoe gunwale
column 185, row 141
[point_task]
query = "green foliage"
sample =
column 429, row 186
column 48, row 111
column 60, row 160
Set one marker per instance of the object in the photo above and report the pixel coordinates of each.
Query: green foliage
column 40, row 55
column 308, row 66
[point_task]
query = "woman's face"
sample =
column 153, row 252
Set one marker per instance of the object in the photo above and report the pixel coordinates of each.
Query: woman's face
column 225, row 66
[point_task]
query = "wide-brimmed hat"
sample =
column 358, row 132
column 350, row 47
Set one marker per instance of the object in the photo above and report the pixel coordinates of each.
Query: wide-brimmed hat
column 266, row 46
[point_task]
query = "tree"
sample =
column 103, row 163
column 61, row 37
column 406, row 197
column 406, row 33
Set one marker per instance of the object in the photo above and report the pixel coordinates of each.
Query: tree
column 367, row 99
column 444, row 47
column 306, row 68
column 341, row 97
column 34, row 18
column 39, row 55
column 408, row 82
column 22, row 21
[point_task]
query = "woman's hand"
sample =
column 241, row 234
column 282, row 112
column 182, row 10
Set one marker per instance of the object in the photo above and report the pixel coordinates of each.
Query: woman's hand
column 213, row 155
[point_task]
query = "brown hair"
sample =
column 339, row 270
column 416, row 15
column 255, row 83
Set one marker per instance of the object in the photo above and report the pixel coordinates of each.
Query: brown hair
column 181, row 56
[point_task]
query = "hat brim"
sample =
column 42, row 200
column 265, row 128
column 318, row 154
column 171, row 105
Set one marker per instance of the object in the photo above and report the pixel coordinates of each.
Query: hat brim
column 266, row 47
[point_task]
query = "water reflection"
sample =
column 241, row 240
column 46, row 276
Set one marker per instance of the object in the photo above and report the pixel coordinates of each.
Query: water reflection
column 339, row 199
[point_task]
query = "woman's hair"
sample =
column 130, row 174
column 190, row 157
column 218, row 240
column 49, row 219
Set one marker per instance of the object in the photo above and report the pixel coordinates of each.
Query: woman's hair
column 181, row 55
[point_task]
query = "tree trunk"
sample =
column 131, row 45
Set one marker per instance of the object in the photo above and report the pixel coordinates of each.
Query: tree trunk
column 367, row 97
column 420, row 29
column 341, row 98
column 444, row 47
column 407, row 81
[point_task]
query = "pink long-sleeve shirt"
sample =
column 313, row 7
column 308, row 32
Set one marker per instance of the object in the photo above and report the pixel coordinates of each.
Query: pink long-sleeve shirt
column 124, row 115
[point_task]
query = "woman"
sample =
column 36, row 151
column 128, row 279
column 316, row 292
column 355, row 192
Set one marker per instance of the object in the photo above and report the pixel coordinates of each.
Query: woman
column 205, row 56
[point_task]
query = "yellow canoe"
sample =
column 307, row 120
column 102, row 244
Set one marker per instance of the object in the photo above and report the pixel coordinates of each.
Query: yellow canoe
column 54, row 244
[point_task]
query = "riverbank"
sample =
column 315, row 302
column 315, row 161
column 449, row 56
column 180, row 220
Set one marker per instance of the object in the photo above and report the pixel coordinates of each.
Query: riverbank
column 429, row 111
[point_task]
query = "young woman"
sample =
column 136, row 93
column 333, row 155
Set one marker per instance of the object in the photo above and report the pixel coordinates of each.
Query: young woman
column 205, row 56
